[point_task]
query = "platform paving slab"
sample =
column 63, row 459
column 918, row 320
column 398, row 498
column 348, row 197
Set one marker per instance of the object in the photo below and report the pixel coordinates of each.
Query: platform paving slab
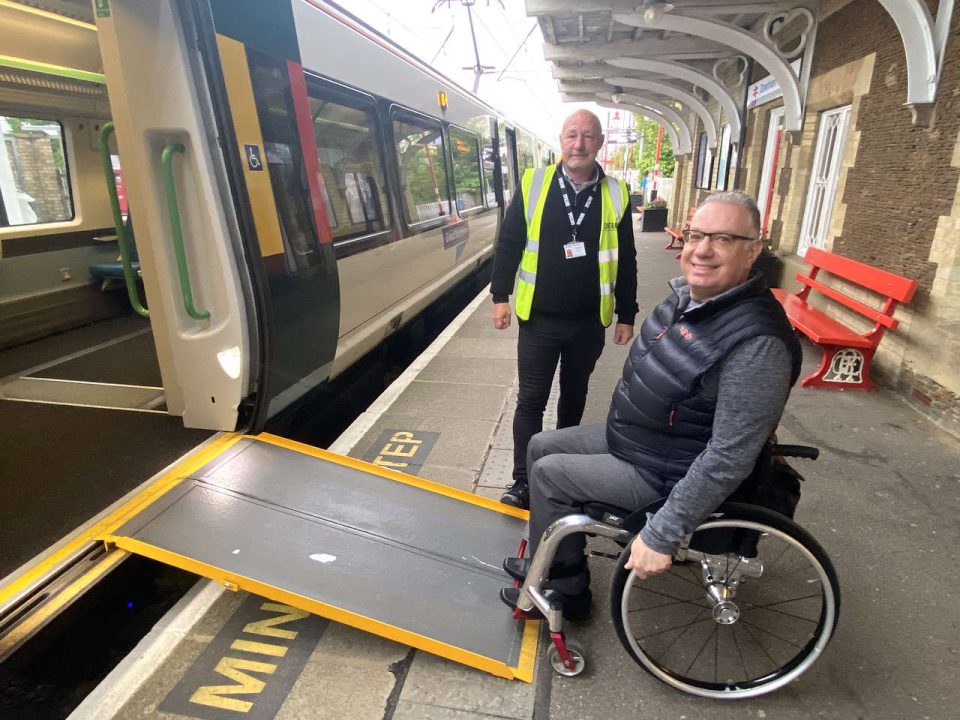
column 498, row 348
column 451, row 400
column 461, row 445
column 435, row 683
column 456, row 478
column 348, row 676
column 495, row 372
column 883, row 500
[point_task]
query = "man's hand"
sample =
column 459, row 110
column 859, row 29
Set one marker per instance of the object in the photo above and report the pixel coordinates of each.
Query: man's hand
column 622, row 333
column 501, row 315
column 646, row 562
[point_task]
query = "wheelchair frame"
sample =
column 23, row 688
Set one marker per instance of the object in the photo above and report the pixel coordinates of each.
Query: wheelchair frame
column 730, row 550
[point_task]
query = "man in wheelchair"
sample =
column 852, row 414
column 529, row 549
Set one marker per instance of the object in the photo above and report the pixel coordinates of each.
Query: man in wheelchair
column 703, row 388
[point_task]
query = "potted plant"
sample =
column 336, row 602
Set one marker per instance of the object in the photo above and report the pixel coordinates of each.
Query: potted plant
column 654, row 215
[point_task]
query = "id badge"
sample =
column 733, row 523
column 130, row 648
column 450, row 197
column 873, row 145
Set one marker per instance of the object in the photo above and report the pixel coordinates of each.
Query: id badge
column 574, row 250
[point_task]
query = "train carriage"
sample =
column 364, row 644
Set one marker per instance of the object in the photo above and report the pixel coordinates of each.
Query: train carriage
column 327, row 186
column 286, row 189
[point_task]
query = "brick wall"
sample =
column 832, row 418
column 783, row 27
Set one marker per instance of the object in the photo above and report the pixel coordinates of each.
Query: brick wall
column 902, row 181
column 898, row 200
column 39, row 175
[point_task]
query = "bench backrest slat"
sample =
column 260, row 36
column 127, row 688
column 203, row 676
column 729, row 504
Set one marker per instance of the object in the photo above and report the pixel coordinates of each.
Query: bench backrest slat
column 880, row 281
column 874, row 314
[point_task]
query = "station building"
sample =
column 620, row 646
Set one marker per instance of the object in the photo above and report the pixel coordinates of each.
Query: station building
column 840, row 116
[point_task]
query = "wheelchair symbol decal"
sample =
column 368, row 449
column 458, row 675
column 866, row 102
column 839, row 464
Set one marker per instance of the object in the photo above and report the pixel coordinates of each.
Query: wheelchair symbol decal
column 253, row 157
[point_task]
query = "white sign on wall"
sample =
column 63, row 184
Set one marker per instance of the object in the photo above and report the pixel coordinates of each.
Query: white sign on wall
column 767, row 89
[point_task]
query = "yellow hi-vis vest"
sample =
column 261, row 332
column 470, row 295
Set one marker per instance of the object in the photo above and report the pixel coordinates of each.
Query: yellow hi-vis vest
column 614, row 201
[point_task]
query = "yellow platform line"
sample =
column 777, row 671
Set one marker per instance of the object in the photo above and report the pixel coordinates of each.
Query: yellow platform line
column 523, row 670
column 118, row 517
column 58, row 602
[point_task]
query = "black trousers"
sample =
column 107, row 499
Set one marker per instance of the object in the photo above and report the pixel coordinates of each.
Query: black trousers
column 543, row 342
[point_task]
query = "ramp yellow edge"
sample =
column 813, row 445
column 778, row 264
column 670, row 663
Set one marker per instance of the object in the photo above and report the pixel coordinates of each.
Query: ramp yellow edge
column 429, row 485
column 168, row 480
column 523, row 671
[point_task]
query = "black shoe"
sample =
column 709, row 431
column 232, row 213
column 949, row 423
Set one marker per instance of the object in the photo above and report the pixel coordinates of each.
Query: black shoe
column 574, row 607
column 517, row 495
column 517, row 568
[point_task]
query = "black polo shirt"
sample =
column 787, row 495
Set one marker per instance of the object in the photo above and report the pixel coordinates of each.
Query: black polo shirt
column 565, row 288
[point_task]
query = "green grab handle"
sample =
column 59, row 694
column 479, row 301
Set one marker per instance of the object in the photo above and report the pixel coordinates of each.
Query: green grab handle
column 166, row 161
column 123, row 239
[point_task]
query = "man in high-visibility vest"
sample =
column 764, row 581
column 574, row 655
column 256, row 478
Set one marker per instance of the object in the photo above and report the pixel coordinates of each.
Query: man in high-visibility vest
column 570, row 233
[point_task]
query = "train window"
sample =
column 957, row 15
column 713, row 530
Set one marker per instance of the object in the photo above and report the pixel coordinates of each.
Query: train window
column 34, row 186
column 423, row 174
column 467, row 178
column 351, row 165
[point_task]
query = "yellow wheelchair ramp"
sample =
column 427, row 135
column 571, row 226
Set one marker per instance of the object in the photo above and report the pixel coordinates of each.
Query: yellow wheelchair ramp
column 411, row 560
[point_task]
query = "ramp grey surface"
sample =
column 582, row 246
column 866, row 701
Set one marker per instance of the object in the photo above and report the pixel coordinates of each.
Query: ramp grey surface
column 377, row 548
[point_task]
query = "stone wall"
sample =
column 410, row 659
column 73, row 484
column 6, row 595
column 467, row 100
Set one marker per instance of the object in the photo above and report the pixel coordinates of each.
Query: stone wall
column 38, row 175
column 897, row 204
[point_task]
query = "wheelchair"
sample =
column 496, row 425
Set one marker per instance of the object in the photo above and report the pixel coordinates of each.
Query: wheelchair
column 748, row 605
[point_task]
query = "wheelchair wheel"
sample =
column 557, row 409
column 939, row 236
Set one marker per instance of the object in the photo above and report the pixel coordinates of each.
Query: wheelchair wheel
column 747, row 607
column 576, row 653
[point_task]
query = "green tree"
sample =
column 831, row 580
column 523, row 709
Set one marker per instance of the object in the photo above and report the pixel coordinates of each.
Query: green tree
column 643, row 154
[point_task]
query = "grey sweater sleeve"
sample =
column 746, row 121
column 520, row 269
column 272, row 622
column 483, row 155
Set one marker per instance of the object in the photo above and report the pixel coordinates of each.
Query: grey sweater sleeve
column 752, row 389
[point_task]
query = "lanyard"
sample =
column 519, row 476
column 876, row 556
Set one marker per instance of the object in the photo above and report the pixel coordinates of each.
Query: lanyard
column 575, row 224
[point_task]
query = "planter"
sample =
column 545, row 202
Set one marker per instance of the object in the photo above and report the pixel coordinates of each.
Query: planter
column 654, row 220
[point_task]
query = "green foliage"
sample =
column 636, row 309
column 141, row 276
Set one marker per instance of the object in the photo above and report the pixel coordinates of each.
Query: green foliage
column 643, row 153
column 657, row 204
column 646, row 161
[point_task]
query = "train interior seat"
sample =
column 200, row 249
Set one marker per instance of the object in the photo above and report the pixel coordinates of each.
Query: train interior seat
column 107, row 273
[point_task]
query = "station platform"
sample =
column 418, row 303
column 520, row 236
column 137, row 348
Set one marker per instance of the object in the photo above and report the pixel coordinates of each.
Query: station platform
column 883, row 499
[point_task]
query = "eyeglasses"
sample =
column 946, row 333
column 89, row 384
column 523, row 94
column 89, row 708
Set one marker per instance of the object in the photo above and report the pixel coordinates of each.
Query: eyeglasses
column 692, row 237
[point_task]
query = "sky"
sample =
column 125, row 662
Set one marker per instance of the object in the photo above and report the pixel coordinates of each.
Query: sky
column 439, row 34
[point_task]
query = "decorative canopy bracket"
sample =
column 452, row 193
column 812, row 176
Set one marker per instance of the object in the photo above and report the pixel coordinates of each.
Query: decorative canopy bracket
column 687, row 74
column 709, row 39
column 764, row 51
column 688, row 99
column 924, row 42
column 675, row 126
column 641, row 106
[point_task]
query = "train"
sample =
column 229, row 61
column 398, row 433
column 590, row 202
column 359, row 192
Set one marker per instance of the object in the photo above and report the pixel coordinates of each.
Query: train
column 276, row 187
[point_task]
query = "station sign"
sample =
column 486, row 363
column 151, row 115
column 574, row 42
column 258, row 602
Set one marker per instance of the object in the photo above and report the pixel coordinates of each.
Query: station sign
column 768, row 89
column 622, row 136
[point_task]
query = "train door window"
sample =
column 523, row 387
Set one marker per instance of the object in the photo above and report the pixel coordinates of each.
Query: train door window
column 34, row 183
column 423, row 174
column 467, row 176
column 351, row 164
column 285, row 162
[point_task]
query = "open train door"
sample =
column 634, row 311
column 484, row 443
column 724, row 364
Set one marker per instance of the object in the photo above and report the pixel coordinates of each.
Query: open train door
column 235, row 248
column 212, row 119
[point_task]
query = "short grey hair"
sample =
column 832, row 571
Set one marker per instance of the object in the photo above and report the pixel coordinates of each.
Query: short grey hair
column 583, row 112
column 736, row 197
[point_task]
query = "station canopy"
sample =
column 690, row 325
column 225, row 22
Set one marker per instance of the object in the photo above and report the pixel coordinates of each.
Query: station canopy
column 676, row 62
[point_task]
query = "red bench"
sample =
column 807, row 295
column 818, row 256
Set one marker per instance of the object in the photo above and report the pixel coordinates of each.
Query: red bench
column 846, row 353
column 676, row 233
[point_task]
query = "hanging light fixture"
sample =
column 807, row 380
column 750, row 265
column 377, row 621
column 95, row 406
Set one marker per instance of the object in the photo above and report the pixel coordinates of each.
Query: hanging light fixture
column 617, row 94
column 653, row 10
